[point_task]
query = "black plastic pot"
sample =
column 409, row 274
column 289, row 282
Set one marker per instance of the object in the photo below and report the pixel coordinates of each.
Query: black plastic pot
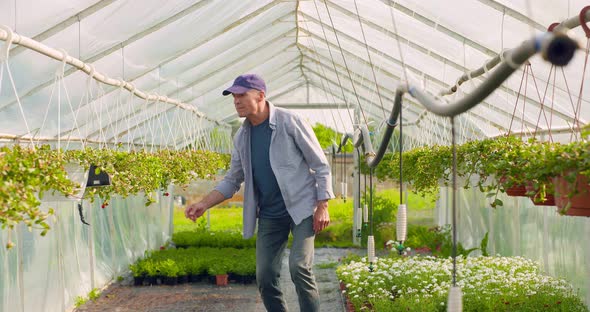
column 138, row 280
column 150, row 280
column 169, row 280
column 245, row 279
column 195, row 278
column 183, row 279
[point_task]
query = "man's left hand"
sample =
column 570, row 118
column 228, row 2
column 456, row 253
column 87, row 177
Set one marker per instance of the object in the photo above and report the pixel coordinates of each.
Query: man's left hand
column 321, row 217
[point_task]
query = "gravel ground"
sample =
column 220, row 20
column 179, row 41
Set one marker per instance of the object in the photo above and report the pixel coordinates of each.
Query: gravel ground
column 122, row 297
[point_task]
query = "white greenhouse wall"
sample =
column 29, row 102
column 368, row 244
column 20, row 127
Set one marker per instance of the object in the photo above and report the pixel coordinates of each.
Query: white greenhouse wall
column 48, row 273
column 561, row 244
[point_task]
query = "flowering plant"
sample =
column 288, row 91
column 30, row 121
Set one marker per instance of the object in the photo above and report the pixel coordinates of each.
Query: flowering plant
column 488, row 284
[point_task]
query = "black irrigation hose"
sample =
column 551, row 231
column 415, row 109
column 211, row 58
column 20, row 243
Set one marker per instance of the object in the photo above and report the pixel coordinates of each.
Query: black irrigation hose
column 557, row 48
column 81, row 214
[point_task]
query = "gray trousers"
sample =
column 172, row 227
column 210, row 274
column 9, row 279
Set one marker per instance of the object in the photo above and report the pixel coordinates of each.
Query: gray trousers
column 271, row 240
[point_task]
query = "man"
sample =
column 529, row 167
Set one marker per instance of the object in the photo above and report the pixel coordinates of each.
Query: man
column 287, row 188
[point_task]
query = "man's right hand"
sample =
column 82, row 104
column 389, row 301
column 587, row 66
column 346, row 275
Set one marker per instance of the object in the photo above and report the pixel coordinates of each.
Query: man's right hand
column 195, row 210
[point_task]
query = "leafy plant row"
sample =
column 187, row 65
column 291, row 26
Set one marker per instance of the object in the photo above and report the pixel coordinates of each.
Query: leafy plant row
column 27, row 174
column 205, row 238
column 496, row 164
column 192, row 262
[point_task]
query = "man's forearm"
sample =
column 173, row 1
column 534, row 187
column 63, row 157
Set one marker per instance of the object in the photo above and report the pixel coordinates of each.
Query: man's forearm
column 213, row 198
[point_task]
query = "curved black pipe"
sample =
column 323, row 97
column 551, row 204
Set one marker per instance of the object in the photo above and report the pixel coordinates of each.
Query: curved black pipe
column 557, row 48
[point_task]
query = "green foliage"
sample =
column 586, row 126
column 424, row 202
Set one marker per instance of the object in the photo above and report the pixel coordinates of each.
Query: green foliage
column 204, row 238
column 168, row 268
column 80, row 301
column 177, row 262
column 328, row 137
column 28, row 174
column 328, row 265
column 94, row 294
column 128, row 169
column 483, row 246
column 497, row 164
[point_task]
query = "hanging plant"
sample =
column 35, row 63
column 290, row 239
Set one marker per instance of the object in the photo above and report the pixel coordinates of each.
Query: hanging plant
column 570, row 167
column 28, row 174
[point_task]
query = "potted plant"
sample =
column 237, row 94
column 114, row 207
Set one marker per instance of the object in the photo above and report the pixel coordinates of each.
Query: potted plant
column 169, row 270
column 244, row 270
column 138, row 273
column 182, row 273
column 219, row 269
column 571, row 168
column 151, row 272
column 196, row 270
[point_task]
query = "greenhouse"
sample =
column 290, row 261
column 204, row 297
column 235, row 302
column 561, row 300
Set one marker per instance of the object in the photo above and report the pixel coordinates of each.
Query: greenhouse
column 455, row 134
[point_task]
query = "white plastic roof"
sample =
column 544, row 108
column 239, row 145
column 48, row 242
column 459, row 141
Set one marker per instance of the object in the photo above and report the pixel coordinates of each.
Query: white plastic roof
column 313, row 54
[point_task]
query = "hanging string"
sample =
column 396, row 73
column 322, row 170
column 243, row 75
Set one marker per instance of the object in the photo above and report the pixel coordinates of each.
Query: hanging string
column 552, row 71
column 42, row 127
column 4, row 61
column 370, row 61
column 365, row 205
column 359, row 209
column 345, row 65
column 84, row 101
column 578, row 109
column 399, row 46
column 454, row 202
column 323, row 87
column 343, row 176
column 370, row 238
column 526, row 84
column 332, row 58
column 517, row 98
column 455, row 302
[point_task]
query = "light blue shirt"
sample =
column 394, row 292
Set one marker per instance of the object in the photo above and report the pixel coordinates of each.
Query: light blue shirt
column 297, row 160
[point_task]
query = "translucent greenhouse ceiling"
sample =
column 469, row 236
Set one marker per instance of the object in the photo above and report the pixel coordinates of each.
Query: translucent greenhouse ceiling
column 321, row 58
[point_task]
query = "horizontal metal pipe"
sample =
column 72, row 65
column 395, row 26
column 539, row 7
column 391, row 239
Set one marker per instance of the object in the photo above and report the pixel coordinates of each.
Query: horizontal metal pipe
column 61, row 56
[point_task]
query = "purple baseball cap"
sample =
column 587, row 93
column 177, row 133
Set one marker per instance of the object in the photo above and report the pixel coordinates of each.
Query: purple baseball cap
column 244, row 83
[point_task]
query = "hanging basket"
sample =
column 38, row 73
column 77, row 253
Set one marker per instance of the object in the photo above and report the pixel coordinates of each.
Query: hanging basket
column 575, row 195
column 514, row 190
column 536, row 197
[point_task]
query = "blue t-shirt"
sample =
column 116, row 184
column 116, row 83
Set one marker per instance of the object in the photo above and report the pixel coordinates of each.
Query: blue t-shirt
column 270, row 199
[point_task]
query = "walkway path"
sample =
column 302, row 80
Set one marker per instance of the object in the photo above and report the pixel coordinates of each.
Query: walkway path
column 120, row 297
